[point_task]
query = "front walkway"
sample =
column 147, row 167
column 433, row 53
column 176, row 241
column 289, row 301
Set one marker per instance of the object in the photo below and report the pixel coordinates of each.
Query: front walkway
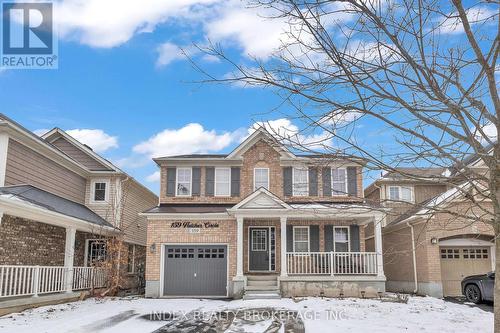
column 420, row 314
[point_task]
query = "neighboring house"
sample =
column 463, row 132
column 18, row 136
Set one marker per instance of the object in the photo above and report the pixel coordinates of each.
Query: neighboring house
column 260, row 222
column 426, row 251
column 58, row 200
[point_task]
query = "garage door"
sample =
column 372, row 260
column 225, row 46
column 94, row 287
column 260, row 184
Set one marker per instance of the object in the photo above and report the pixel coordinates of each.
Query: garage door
column 459, row 262
column 197, row 270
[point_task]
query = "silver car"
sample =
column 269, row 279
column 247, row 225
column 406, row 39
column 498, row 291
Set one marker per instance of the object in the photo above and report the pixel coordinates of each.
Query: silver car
column 479, row 288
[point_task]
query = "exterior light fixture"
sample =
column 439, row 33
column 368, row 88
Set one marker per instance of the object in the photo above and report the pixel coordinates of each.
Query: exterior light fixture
column 152, row 248
column 434, row 240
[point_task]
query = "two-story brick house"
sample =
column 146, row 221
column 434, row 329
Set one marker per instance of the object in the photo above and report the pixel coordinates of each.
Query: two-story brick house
column 429, row 247
column 58, row 200
column 259, row 222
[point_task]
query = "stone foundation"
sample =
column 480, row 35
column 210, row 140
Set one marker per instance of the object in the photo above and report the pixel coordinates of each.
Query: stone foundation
column 332, row 288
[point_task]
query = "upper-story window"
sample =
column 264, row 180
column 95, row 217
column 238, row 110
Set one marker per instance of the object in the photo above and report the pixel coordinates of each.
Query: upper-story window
column 401, row 193
column 99, row 191
column 222, row 182
column 300, row 182
column 183, row 184
column 339, row 181
column 261, row 178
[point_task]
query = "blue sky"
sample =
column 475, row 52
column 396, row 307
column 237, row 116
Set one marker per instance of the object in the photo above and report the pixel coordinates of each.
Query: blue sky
column 122, row 77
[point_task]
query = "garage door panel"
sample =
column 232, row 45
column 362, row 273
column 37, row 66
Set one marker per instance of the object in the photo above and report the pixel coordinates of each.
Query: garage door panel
column 459, row 262
column 198, row 270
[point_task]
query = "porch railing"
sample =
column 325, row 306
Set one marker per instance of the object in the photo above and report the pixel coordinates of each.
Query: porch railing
column 331, row 263
column 18, row 281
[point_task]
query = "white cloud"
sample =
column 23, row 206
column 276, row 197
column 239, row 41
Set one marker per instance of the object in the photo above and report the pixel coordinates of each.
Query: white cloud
column 490, row 131
column 478, row 14
column 168, row 53
column 97, row 139
column 192, row 138
column 340, row 117
column 154, row 177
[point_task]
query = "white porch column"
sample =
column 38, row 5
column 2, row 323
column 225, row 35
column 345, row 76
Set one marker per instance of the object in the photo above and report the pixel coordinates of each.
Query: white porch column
column 69, row 255
column 283, row 246
column 377, row 226
column 239, row 247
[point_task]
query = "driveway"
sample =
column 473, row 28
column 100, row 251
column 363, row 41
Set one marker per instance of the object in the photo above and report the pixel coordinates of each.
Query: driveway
column 486, row 306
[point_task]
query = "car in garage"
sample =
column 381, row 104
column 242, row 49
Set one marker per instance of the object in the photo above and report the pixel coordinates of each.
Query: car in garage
column 479, row 288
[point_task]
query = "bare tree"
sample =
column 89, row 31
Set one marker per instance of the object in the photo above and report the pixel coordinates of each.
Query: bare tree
column 423, row 70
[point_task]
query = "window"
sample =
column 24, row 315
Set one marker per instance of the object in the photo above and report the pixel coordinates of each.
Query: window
column 261, row 178
column 259, row 240
column 300, row 239
column 96, row 251
column 339, row 181
column 183, row 181
column 300, row 182
column 99, row 189
column 341, row 239
column 222, row 182
column 401, row 193
column 131, row 258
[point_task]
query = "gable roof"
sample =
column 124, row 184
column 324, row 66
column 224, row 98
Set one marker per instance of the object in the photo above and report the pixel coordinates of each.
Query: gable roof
column 261, row 199
column 260, row 134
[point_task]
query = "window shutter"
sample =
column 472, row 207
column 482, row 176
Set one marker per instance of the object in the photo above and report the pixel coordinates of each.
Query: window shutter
column 328, row 237
column 352, row 181
column 289, row 238
column 354, row 234
column 171, row 182
column 196, row 181
column 313, row 182
column 209, row 181
column 327, row 182
column 314, row 238
column 235, row 181
column 287, row 182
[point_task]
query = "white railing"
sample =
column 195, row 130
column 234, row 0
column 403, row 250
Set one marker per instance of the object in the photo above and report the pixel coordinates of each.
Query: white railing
column 331, row 263
column 18, row 281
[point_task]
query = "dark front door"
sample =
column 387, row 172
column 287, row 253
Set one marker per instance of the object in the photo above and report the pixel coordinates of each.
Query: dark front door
column 259, row 249
column 195, row 270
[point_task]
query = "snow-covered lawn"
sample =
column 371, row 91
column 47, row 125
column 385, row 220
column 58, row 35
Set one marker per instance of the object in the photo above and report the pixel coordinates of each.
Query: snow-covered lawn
column 420, row 314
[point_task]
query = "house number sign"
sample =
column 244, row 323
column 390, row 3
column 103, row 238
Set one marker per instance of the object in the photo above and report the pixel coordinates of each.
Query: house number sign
column 191, row 225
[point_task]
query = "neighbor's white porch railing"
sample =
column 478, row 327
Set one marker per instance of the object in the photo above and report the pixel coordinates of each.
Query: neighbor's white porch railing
column 331, row 263
column 35, row 280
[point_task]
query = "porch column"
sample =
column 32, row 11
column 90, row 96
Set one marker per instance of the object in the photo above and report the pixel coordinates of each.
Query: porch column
column 377, row 226
column 283, row 246
column 239, row 247
column 69, row 255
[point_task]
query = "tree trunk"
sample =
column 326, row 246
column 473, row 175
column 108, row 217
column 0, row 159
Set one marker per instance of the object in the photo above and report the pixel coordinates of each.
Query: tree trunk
column 495, row 188
column 497, row 281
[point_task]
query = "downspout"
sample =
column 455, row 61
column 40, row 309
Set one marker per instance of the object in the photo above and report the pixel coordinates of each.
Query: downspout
column 414, row 257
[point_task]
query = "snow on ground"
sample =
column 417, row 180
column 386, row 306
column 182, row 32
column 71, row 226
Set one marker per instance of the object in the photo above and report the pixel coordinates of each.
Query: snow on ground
column 420, row 314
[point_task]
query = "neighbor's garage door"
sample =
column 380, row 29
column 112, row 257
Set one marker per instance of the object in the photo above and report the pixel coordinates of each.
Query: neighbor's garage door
column 195, row 270
column 459, row 262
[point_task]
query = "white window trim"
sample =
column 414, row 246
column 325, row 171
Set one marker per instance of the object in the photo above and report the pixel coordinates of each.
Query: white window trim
column 265, row 243
column 346, row 181
column 308, row 237
column 293, row 182
column 215, row 182
column 268, row 183
column 177, row 182
column 133, row 259
column 87, row 249
column 348, row 238
column 399, row 187
column 92, row 191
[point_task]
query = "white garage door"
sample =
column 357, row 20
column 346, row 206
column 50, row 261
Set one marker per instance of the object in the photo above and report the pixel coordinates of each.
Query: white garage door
column 459, row 262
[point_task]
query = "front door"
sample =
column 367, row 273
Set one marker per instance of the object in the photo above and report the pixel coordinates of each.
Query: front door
column 259, row 249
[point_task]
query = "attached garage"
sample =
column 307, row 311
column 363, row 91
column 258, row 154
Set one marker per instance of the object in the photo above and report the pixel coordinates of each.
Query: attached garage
column 458, row 262
column 195, row 270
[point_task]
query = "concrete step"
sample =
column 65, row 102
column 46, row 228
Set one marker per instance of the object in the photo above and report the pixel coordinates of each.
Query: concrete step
column 262, row 283
column 257, row 288
column 261, row 296
column 262, row 277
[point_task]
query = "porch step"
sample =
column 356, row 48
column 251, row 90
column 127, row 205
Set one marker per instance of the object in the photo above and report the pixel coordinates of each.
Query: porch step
column 264, row 277
column 262, row 283
column 262, row 294
column 262, row 287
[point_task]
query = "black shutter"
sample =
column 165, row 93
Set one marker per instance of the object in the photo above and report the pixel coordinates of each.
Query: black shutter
column 328, row 238
column 235, row 181
column 171, row 175
column 287, row 182
column 196, row 190
column 352, row 181
column 354, row 234
column 314, row 238
column 313, row 182
column 289, row 238
column 327, row 182
column 209, row 181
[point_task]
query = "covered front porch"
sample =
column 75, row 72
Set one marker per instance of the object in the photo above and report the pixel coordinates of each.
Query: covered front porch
column 310, row 249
